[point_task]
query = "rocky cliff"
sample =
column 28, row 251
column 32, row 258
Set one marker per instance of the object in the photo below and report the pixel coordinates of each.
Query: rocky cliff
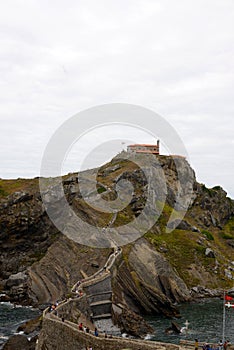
column 174, row 260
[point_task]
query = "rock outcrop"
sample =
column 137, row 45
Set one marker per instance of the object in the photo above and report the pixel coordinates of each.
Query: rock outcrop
column 20, row 342
column 147, row 283
column 39, row 265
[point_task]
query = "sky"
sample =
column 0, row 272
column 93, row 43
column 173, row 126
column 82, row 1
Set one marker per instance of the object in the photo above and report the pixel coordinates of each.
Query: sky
column 176, row 58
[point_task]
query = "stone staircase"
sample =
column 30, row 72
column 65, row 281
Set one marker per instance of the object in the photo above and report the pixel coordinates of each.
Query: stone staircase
column 99, row 296
column 98, row 291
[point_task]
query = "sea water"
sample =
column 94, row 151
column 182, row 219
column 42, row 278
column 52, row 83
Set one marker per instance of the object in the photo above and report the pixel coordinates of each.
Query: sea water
column 205, row 318
column 11, row 317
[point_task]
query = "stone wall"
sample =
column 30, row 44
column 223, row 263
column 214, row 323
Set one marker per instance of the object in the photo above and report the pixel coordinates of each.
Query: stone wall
column 60, row 335
column 72, row 309
column 99, row 286
column 100, row 296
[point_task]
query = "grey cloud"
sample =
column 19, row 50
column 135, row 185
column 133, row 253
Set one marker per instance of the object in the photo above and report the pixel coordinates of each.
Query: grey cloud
column 173, row 57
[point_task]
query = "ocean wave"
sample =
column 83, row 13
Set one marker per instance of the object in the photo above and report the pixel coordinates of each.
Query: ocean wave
column 3, row 337
column 17, row 306
column 148, row 336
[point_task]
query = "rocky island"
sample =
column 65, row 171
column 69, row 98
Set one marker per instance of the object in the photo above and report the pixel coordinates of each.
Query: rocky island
column 175, row 261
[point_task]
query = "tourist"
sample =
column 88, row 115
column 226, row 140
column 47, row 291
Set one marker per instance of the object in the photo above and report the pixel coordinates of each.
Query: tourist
column 225, row 345
column 87, row 329
column 196, row 344
column 81, row 326
column 96, row 332
column 220, row 345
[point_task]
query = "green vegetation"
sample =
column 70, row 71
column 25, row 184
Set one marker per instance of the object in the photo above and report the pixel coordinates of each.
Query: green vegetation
column 187, row 256
column 211, row 191
column 229, row 228
column 101, row 190
column 208, row 235
column 217, row 188
column 3, row 193
column 8, row 187
column 182, row 251
column 226, row 235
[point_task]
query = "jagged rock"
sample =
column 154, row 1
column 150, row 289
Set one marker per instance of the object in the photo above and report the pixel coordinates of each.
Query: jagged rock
column 201, row 240
column 228, row 274
column 30, row 242
column 180, row 225
column 215, row 205
column 19, row 342
column 130, row 323
column 202, row 292
column 152, row 268
column 30, row 326
column 175, row 327
column 20, row 196
column 209, row 253
column 51, row 278
column 109, row 170
column 148, row 284
column 16, row 279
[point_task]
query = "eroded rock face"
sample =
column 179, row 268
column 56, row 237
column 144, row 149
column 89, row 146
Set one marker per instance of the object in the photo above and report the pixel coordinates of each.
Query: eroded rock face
column 19, row 342
column 215, row 207
column 48, row 263
column 155, row 271
column 16, row 279
column 148, row 283
column 53, row 276
column 25, row 232
column 130, row 323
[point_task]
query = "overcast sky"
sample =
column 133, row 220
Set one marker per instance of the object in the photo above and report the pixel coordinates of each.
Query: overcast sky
column 174, row 57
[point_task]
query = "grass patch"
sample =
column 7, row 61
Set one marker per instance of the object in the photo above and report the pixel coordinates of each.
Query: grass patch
column 101, row 190
column 3, row 192
column 226, row 235
column 228, row 230
column 182, row 251
column 208, row 235
column 8, row 187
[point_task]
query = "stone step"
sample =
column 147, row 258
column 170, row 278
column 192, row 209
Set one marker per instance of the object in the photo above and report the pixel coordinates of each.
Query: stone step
column 100, row 293
column 101, row 302
column 98, row 317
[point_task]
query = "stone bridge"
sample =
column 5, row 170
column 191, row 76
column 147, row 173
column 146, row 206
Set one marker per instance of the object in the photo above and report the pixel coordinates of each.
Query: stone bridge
column 60, row 330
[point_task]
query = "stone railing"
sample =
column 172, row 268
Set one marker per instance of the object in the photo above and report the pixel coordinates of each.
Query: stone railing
column 189, row 345
column 65, row 335
column 100, row 273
